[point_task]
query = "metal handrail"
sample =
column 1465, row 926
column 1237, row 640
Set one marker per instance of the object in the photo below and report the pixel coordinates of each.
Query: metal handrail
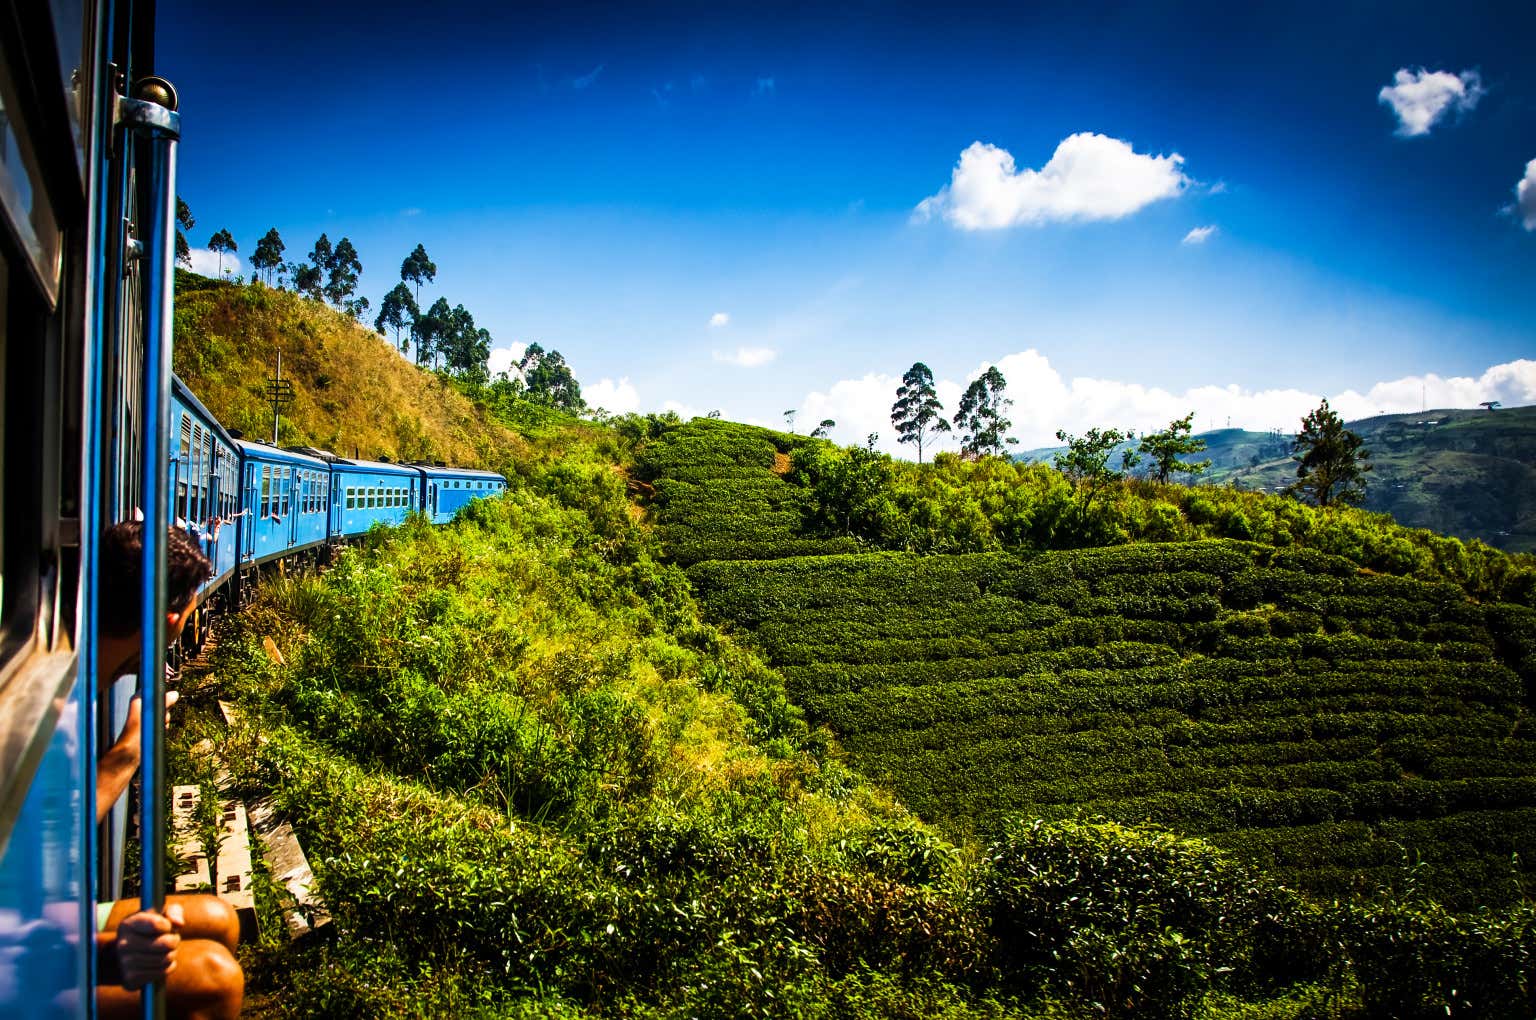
column 152, row 118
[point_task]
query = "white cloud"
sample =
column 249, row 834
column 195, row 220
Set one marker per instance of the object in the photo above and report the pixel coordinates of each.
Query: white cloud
column 206, row 263
column 1089, row 177
column 412, row 211
column 859, row 406
column 505, row 359
column 764, row 87
column 687, row 412
column 1420, row 98
column 614, row 397
column 747, row 357
column 1525, row 196
column 1198, row 235
column 720, row 319
column 1044, row 401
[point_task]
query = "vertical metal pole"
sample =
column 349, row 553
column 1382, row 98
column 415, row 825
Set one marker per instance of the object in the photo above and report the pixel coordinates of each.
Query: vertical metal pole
column 277, row 386
column 153, row 118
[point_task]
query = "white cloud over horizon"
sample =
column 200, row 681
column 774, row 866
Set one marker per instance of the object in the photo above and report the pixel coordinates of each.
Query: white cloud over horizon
column 720, row 319
column 505, row 359
column 1525, row 197
column 206, row 263
column 747, row 357
column 619, row 397
column 1089, row 177
column 1422, row 98
column 1199, row 235
column 1045, row 401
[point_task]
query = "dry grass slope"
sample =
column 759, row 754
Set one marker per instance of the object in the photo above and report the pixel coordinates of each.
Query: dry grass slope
column 353, row 394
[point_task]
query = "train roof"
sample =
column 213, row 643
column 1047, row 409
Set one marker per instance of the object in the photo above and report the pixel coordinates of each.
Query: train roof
column 186, row 396
column 263, row 451
column 375, row 466
column 438, row 471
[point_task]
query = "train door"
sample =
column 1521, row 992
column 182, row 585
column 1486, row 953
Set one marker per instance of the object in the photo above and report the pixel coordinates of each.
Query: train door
column 336, row 507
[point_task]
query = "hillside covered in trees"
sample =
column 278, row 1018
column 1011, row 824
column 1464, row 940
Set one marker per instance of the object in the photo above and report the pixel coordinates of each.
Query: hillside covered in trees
column 1468, row 473
column 705, row 720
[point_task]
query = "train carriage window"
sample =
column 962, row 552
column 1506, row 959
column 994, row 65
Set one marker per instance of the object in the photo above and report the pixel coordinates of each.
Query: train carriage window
column 287, row 489
column 351, row 497
column 24, row 194
column 266, row 489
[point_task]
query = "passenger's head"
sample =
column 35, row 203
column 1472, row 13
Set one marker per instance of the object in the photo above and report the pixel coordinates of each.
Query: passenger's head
column 121, row 570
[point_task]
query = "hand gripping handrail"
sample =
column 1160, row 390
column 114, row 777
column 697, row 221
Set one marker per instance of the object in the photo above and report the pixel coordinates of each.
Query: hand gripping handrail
column 150, row 116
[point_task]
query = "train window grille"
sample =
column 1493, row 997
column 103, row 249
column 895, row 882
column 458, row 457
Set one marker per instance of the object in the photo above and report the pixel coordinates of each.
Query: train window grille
column 287, row 489
column 266, row 490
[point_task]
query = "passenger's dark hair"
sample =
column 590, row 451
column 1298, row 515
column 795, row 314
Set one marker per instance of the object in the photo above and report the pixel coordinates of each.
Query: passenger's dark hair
column 122, row 554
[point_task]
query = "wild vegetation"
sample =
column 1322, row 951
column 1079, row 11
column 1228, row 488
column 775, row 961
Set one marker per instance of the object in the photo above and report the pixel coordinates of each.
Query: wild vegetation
column 536, row 777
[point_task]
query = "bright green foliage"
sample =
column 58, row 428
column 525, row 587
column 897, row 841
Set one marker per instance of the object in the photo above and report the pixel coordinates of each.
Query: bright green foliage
column 917, row 413
column 549, row 380
column 1165, row 447
column 1331, row 461
column 849, row 490
column 1085, row 462
column 979, row 420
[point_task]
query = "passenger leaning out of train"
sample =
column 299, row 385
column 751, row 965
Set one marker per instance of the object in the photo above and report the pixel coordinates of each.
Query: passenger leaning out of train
column 191, row 945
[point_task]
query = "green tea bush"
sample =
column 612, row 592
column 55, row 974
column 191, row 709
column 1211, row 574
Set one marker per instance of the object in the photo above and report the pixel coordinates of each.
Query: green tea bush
column 1137, row 922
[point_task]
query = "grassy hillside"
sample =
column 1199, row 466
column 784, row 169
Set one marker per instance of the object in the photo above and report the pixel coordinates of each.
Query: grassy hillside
column 354, row 394
column 1289, row 698
column 535, row 778
column 1469, row 473
column 534, row 781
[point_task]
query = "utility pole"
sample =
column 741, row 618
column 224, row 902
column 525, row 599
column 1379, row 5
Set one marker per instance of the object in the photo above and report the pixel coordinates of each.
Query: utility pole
column 280, row 392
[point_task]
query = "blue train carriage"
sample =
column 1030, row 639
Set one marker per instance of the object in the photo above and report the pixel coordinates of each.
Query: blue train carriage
column 285, row 496
column 365, row 493
column 87, row 192
column 204, row 483
column 445, row 491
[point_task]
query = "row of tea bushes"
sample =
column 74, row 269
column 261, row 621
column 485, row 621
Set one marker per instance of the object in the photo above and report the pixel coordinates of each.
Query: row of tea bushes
column 1216, row 687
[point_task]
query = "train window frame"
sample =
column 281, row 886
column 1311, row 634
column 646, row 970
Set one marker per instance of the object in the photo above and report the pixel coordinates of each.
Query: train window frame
column 26, row 204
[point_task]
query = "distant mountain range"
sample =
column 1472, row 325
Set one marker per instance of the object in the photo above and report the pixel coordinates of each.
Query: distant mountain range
column 1466, row 473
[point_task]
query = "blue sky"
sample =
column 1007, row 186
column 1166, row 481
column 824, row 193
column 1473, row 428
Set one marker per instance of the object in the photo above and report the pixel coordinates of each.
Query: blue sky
column 723, row 206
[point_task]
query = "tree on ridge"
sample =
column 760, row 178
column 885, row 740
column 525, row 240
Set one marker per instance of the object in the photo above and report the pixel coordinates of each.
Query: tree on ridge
column 184, row 222
column 222, row 242
column 917, row 412
column 343, row 269
column 418, row 269
column 980, row 420
column 398, row 312
column 1165, row 447
column 1331, row 461
column 268, row 255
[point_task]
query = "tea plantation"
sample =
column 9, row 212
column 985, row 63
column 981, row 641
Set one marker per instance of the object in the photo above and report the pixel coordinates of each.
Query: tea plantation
column 1346, row 729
